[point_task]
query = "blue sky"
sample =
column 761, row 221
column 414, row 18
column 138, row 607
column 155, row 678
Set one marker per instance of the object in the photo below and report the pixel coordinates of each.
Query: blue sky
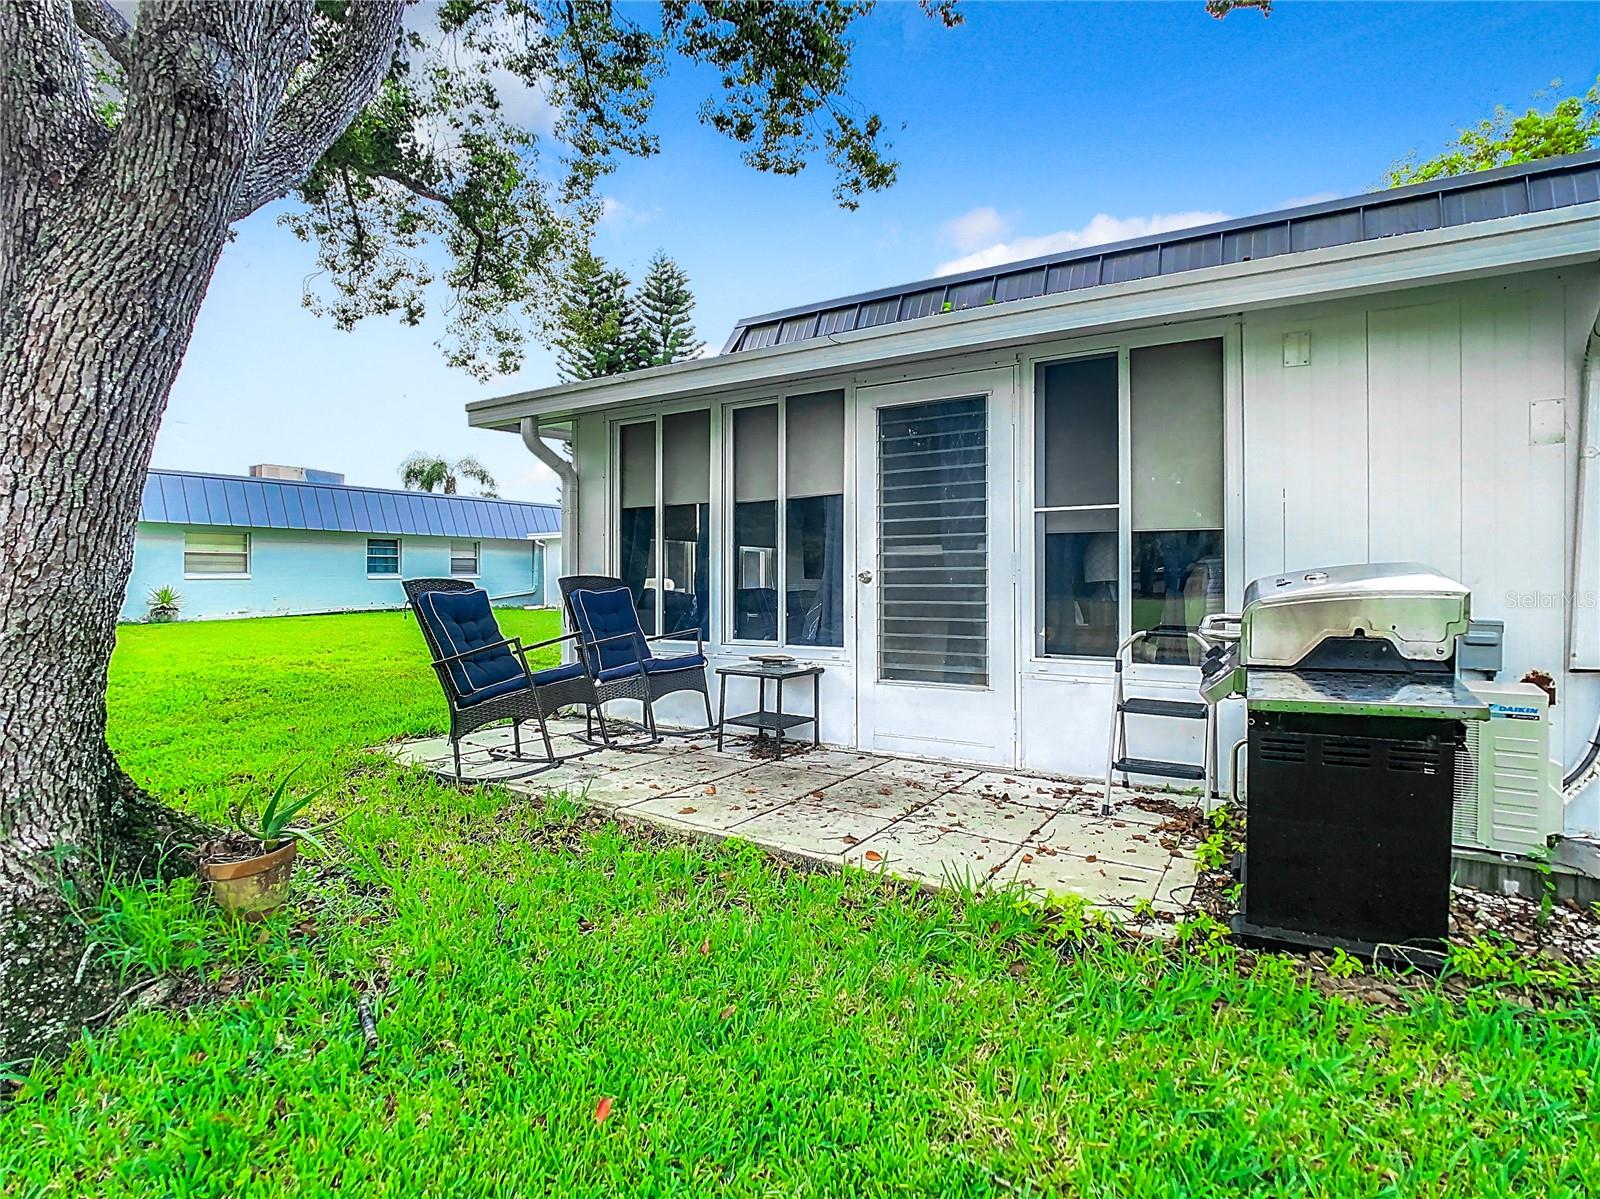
column 1031, row 127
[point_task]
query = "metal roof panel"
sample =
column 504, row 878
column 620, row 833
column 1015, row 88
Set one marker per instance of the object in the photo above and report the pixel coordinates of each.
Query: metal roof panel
column 1457, row 200
column 193, row 498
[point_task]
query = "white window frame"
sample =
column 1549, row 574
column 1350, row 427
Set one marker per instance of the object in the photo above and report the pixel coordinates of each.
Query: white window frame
column 399, row 559
column 1035, row 662
column 726, row 553
column 477, row 557
column 200, row 576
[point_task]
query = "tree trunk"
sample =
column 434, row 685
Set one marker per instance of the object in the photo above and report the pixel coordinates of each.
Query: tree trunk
column 107, row 244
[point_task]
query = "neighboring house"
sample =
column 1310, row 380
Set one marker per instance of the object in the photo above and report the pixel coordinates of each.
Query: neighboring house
column 960, row 494
column 270, row 546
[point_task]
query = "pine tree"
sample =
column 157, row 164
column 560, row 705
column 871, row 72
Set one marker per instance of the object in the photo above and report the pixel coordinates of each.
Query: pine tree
column 597, row 324
column 666, row 314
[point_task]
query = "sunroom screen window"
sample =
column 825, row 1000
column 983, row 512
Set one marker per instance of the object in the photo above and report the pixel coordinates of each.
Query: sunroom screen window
column 814, row 519
column 686, row 522
column 1076, row 517
column 1176, row 447
column 933, row 537
column 636, row 452
column 754, row 568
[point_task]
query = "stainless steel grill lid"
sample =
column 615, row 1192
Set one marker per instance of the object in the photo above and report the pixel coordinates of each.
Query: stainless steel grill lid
column 1417, row 610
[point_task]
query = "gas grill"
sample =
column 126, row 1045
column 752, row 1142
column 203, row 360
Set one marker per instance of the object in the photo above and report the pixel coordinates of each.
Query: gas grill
column 1355, row 716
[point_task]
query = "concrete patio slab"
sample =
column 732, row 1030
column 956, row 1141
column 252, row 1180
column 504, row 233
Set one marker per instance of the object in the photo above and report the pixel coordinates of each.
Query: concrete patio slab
column 983, row 816
column 813, row 829
column 1105, row 884
column 871, row 795
column 1049, row 794
column 937, row 776
column 719, row 810
column 929, row 822
column 1112, row 839
column 918, row 849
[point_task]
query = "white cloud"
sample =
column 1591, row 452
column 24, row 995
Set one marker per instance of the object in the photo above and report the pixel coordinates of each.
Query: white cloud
column 620, row 216
column 1102, row 229
column 1313, row 198
column 972, row 229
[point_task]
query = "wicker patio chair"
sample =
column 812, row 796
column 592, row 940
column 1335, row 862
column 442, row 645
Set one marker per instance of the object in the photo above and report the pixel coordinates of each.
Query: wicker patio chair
column 486, row 676
column 616, row 652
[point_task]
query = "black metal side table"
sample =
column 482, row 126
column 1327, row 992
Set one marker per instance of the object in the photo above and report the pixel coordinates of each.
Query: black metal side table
column 776, row 721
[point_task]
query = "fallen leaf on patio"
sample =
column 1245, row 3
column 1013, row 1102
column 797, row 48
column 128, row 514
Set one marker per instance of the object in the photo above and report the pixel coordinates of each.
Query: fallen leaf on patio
column 711, row 790
column 1027, row 857
column 816, row 795
column 727, row 1012
column 872, row 855
column 602, row 1110
column 1090, row 858
column 685, row 811
column 849, row 840
column 885, row 790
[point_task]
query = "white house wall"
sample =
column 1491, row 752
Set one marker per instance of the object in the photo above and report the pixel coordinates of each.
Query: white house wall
column 1417, row 433
column 1420, row 429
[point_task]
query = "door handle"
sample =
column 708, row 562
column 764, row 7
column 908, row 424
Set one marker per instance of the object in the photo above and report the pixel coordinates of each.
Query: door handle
column 865, row 576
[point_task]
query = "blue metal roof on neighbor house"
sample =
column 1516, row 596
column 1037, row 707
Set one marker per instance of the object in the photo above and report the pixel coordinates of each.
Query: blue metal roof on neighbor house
column 186, row 498
column 1438, row 203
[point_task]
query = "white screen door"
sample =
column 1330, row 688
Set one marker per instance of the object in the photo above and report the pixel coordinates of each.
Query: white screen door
column 936, row 612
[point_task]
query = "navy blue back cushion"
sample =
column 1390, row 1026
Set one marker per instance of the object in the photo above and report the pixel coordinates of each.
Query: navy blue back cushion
column 462, row 621
column 610, row 619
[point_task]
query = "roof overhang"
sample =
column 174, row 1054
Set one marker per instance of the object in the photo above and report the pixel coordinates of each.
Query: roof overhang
column 1534, row 241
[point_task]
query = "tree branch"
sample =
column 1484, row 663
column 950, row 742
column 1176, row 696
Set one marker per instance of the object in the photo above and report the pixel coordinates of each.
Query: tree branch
column 334, row 90
column 107, row 26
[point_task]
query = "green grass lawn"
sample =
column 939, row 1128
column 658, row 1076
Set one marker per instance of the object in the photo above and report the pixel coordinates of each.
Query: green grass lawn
column 760, row 1031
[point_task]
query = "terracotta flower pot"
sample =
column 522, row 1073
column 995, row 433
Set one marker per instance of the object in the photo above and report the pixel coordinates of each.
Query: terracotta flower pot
column 250, row 888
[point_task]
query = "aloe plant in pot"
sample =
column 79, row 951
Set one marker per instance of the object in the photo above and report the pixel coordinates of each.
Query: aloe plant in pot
column 164, row 604
column 249, row 869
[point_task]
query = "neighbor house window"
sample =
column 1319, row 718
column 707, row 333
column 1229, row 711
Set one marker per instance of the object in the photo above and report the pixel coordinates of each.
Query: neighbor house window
column 664, row 469
column 1171, row 569
column 787, row 565
column 383, row 555
column 216, row 554
column 464, row 559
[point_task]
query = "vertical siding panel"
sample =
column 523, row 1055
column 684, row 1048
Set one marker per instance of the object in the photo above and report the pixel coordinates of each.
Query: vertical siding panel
column 1513, row 544
column 1305, row 433
column 1414, row 435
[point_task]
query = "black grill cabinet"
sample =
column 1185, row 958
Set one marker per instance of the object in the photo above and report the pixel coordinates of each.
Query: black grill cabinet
column 1348, row 832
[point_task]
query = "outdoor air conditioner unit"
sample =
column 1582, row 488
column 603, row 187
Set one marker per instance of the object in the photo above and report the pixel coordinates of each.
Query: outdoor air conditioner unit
column 1508, row 790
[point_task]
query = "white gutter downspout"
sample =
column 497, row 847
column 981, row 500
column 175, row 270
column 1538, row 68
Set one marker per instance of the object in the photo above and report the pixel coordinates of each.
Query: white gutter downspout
column 567, row 473
column 1584, row 629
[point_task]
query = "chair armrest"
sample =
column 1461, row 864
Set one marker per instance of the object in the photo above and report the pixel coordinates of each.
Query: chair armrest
column 699, row 643
column 554, row 641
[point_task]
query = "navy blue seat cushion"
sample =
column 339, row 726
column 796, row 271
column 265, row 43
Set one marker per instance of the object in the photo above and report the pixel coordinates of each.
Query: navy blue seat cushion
column 461, row 621
column 557, row 674
column 656, row 666
column 608, row 625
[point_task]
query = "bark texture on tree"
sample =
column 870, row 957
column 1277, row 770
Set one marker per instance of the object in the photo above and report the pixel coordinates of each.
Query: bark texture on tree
column 108, row 240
